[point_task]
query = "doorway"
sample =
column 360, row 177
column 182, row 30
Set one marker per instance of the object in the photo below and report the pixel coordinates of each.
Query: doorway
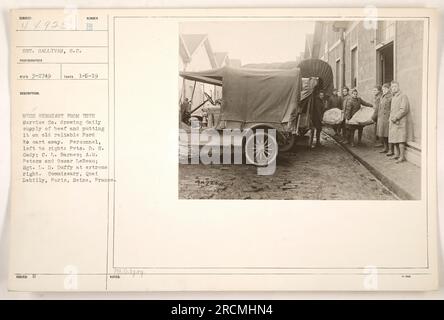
column 385, row 64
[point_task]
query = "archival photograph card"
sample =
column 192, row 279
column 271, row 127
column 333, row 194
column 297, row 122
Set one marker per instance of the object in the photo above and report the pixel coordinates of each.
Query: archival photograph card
column 223, row 149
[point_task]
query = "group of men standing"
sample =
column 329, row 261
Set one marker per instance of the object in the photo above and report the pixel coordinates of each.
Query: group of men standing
column 391, row 108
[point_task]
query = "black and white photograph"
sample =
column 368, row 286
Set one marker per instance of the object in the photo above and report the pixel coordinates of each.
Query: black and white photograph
column 135, row 134
column 301, row 109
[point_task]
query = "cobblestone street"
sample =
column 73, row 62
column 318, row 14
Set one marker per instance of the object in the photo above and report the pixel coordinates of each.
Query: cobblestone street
column 325, row 173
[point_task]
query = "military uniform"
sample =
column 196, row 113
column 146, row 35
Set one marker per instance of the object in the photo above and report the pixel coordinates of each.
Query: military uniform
column 352, row 105
column 399, row 109
column 382, row 115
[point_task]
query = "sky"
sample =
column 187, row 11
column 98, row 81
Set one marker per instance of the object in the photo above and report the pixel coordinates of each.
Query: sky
column 254, row 41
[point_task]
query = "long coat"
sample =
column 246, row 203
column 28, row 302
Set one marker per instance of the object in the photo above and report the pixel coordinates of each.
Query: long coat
column 399, row 109
column 382, row 115
column 377, row 100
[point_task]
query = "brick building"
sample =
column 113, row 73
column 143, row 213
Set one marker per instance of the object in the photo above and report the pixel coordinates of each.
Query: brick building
column 363, row 54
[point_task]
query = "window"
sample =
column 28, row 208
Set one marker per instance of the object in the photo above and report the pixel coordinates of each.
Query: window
column 354, row 67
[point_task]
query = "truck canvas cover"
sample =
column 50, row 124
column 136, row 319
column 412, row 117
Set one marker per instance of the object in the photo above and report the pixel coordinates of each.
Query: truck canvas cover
column 254, row 95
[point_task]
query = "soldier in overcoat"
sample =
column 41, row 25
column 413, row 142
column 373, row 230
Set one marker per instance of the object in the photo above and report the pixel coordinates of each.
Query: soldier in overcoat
column 377, row 94
column 399, row 109
column 381, row 117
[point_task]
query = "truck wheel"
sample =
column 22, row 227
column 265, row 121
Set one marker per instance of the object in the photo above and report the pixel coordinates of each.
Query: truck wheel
column 261, row 148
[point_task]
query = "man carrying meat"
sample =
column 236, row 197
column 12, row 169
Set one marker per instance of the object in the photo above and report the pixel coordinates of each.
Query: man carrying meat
column 351, row 106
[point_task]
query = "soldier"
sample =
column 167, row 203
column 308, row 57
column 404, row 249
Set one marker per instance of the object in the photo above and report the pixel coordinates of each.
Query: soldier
column 344, row 98
column 399, row 110
column 377, row 93
column 319, row 107
column 381, row 117
column 335, row 101
column 352, row 106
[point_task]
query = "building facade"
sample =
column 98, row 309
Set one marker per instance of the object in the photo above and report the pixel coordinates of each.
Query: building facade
column 196, row 54
column 363, row 54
